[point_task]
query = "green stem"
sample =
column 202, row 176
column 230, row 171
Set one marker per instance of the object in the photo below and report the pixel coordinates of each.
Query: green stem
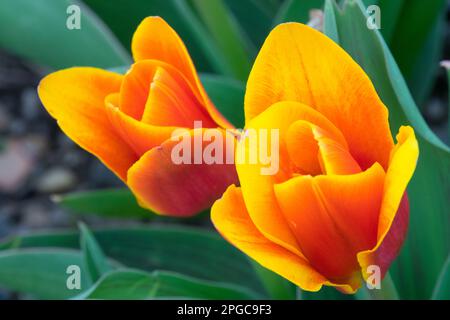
column 388, row 291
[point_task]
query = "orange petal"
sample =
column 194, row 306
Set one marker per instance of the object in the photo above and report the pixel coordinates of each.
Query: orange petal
column 231, row 219
column 298, row 63
column 258, row 189
column 182, row 189
column 154, row 39
column 156, row 93
column 303, row 148
column 394, row 213
column 75, row 98
column 316, row 151
column 333, row 218
column 171, row 102
column 141, row 137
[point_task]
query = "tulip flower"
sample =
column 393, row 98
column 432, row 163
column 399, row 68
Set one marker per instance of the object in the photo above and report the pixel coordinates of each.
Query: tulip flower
column 337, row 206
column 127, row 121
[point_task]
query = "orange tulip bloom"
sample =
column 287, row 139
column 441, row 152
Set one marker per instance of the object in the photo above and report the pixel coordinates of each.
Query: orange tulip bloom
column 338, row 203
column 127, row 120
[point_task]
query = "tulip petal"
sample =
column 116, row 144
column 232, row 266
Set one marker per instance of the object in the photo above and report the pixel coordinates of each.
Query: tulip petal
column 169, row 187
column 230, row 217
column 298, row 63
column 303, row 148
column 141, row 137
column 333, row 218
column 316, row 151
column 171, row 102
column 75, row 98
column 156, row 93
column 262, row 205
column 154, row 39
column 393, row 221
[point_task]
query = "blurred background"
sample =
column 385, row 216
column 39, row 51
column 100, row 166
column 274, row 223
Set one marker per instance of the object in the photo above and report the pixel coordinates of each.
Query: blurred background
column 38, row 162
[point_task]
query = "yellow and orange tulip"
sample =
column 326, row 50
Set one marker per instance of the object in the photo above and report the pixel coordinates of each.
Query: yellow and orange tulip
column 127, row 120
column 338, row 203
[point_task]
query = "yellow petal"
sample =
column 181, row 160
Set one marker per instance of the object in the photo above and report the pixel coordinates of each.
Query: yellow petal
column 298, row 63
column 154, row 39
column 75, row 98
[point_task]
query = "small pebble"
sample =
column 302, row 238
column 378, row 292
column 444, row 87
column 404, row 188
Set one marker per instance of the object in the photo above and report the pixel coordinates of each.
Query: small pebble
column 56, row 180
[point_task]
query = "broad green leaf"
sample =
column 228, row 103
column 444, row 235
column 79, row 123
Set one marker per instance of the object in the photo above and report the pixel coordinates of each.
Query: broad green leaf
column 428, row 243
column 115, row 203
column 255, row 17
column 134, row 284
column 297, row 11
column 228, row 96
column 442, row 288
column 425, row 68
column 197, row 253
column 412, row 28
column 37, row 30
column 41, row 272
column 123, row 17
column 417, row 46
column 228, row 35
column 391, row 11
column 94, row 258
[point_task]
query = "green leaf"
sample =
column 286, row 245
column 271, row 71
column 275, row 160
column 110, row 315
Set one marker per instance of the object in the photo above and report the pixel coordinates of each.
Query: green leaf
column 255, row 17
column 446, row 65
column 123, row 17
column 428, row 243
column 425, row 67
column 37, row 30
column 228, row 35
column 391, row 11
column 134, row 284
column 114, row 203
column 94, row 258
column 297, row 11
column 41, row 272
column 417, row 47
column 197, row 253
column 442, row 288
column 228, row 96
column 387, row 291
column 409, row 38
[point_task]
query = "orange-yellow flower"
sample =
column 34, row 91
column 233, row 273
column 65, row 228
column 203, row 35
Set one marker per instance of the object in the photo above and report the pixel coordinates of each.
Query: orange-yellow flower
column 338, row 203
column 127, row 121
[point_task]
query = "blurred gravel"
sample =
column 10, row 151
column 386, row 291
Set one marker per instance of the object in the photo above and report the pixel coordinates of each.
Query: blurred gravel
column 36, row 159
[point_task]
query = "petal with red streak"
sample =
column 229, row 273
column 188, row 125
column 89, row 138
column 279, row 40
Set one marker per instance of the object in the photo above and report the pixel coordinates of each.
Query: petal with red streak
column 393, row 221
column 182, row 189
